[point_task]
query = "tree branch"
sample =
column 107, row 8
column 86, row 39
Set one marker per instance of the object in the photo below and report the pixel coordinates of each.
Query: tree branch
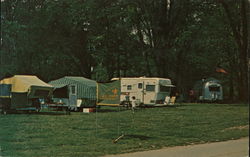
column 237, row 35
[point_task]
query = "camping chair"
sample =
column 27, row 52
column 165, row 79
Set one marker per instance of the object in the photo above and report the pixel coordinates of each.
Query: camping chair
column 172, row 100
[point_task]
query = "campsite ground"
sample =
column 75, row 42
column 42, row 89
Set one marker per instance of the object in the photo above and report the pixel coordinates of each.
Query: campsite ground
column 79, row 134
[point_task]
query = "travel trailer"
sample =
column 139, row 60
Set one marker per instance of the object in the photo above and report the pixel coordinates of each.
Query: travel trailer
column 208, row 90
column 145, row 90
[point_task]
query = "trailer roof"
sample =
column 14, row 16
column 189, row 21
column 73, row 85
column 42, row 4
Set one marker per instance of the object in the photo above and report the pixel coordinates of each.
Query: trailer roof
column 22, row 83
column 141, row 78
column 162, row 81
column 86, row 88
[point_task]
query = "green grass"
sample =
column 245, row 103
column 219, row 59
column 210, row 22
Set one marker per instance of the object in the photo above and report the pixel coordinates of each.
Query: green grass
column 79, row 134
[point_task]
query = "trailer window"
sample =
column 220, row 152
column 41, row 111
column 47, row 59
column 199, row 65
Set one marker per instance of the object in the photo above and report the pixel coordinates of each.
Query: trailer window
column 164, row 89
column 140, row 85
column 73, row 89
column 150, row 87
column 129, row 87
column 214, row 89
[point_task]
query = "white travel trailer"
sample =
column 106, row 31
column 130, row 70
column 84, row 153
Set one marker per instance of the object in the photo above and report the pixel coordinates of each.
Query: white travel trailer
column 145, row 90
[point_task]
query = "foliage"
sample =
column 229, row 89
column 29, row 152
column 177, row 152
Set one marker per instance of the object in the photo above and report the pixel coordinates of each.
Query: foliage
column 181, row 40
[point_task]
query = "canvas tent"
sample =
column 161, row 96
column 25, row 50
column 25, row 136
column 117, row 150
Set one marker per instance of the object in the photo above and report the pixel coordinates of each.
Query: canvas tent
column 109, row 93
column 76, row 92
column 23, row 92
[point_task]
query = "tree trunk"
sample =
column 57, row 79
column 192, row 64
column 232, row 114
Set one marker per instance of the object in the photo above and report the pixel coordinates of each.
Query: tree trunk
column 148, row 64
column 241, row 39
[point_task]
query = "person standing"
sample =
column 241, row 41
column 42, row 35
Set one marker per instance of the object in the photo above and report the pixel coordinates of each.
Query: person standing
column 133, row 103
column 191, row 95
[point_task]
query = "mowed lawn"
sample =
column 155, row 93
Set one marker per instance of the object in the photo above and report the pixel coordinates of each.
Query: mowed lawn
column 80, row 134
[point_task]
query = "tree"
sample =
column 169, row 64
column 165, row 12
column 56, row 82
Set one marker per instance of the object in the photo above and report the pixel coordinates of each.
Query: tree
column 236, row 13
column 183, row 40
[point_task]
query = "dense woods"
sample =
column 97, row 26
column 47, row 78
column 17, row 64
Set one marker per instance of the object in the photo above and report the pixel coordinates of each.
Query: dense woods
column 185, row 40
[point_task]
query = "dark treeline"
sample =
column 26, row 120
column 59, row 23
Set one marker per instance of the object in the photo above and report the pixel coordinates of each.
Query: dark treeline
column 185, row 40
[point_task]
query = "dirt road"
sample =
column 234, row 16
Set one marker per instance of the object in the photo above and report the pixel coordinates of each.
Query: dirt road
column 232, row 148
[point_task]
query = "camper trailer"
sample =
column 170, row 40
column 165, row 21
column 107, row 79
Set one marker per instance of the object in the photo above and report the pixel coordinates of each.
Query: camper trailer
column 22, row 92
column 145, row 90
column 208, row 90
column 74, row 93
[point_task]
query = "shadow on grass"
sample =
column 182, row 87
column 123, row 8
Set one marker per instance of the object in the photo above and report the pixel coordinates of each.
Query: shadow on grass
column 52, row 113
column 214, row 104
column 111, row 110
column 242, row 105
column 36, row 113
column 165, row 106
column 140, row 137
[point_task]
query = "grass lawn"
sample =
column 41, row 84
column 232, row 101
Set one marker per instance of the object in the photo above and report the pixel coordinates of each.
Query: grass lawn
column 56, row 134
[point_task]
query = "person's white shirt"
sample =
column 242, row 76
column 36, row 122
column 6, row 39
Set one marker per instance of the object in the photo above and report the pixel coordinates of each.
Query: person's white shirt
column 133, row 103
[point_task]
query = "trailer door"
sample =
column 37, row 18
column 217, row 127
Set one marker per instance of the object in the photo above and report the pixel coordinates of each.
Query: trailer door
column 140, row 94
column 73, row 97
column 149, row 93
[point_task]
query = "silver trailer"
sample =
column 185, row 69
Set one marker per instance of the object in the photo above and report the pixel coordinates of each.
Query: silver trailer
column 208, row 90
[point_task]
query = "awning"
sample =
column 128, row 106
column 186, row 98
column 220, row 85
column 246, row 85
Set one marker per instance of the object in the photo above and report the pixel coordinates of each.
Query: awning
column 169, row 85
column 166, row 82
